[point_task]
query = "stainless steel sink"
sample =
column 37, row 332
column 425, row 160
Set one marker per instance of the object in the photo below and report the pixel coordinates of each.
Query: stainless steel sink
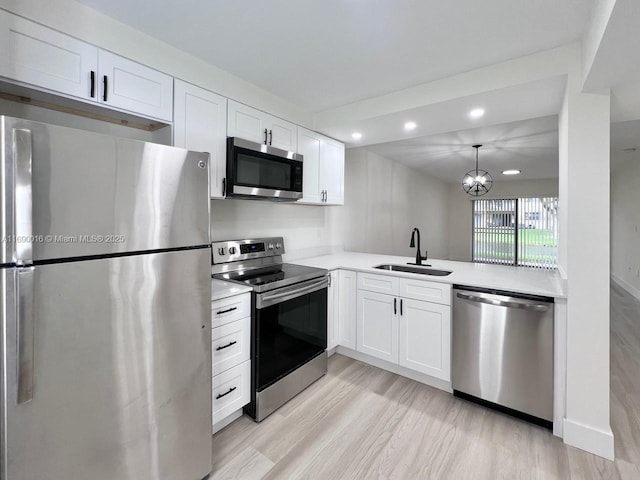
column 420, row 270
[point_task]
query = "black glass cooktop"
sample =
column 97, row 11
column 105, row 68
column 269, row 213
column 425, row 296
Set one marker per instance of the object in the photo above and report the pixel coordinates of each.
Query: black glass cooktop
column 279, row 276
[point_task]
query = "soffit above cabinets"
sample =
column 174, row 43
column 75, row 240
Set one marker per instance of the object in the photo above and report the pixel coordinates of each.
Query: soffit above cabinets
column 321, row 55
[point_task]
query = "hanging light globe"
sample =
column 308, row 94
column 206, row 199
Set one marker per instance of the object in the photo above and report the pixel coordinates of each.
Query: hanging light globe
column 477, row 182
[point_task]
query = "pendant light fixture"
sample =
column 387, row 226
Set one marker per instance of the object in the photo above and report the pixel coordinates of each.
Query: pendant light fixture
column 477, row 182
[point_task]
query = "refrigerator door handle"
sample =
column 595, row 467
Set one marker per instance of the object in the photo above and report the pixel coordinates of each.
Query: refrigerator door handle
column 26, row 332
column 23, row 240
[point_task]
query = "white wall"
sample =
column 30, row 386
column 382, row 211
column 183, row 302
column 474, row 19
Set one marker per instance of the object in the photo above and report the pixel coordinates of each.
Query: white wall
column 625, row 222
column 307, row 229
column 460, row 227
column 73, row 18
column 384, row 201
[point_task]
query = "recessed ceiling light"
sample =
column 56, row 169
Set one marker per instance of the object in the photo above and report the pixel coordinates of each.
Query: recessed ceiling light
column 511, row 172
column 476, row 112
column 356, row 135
column 410, row 125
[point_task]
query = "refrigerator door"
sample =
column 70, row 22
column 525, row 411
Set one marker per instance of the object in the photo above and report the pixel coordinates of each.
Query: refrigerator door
column 108, row 369
column 79, row 193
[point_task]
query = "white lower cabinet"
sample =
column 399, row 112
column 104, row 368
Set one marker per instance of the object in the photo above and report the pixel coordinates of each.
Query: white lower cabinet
column 411, row 333
column 231, row 344
column 377, row 325
column 347, row 309
column 230, row 357
column 231, row 391
column 333, row 310
column 425, row 338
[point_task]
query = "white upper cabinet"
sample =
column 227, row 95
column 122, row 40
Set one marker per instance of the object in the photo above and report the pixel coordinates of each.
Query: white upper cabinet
column 46, row 59
column 200, row 124
column 332, row 171
column 282, row 134
column 260, row 127
column 42, row 57
column 309, row 148
column 323, row 168
column 131, row 86
column 246, row 122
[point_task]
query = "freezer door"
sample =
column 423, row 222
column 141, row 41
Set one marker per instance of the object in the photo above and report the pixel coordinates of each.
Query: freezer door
column 75, row 193
column 119, row 354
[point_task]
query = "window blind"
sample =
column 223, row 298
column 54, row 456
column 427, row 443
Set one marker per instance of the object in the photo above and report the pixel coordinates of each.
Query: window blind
column 516, row 231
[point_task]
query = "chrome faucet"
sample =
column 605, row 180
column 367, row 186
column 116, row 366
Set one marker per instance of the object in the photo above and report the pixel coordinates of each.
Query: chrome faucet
column 419, row 257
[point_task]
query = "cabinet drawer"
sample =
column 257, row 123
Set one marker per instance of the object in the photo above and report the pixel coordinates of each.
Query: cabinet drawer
column 378, row 283
column 231, row 391
column 230, row 309
column 230, row 344
column 427, row 291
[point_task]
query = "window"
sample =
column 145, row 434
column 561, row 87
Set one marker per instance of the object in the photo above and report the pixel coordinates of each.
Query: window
column 516, row 231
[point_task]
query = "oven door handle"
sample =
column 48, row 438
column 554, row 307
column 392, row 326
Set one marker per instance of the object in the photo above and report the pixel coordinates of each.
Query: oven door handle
column 267, row 299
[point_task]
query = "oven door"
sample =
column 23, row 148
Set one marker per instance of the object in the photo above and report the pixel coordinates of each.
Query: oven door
column 259, row 171
column 290, row 329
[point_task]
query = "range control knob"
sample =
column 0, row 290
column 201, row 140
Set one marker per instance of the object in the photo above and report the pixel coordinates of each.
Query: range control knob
column 232, row 250
column 278, row 245
column 270, row 246
column 220, row 250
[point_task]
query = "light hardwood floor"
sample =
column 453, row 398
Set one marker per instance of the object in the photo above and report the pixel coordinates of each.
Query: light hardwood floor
column 362, row 422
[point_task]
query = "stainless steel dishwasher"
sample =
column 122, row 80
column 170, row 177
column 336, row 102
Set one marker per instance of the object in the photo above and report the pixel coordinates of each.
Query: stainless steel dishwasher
column 503, row 352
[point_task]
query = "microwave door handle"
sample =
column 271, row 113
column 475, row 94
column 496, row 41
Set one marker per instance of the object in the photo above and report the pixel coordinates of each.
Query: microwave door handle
column 267, row 299
column 23, row 164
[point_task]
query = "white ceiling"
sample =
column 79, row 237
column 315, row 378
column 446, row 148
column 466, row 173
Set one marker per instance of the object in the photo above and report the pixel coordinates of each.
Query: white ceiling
column 528, row 145
column 506, row 105
column 323, row 54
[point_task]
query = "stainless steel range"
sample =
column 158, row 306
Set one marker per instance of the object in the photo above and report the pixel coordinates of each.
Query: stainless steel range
column 288, row 323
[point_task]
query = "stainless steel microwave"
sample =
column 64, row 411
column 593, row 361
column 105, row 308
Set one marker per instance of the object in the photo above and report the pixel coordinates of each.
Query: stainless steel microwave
column 258, row 171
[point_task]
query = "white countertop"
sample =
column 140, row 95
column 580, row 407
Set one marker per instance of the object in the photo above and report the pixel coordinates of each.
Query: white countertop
column 547, row 283
column 221, row 289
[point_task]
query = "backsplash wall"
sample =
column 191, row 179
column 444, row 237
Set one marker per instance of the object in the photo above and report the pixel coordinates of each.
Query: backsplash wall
column 307, row 229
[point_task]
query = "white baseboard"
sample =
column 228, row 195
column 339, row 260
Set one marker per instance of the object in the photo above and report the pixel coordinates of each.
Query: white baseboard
column 626, row 285
column 592, row 440
column 227, row 420
column 397, row 369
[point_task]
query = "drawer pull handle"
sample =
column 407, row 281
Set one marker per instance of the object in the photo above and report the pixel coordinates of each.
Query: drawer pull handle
column 227, row 345
column 220, row 312
column 225, row 394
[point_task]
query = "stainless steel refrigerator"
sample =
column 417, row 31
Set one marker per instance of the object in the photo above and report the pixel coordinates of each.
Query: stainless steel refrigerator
column 105, row 298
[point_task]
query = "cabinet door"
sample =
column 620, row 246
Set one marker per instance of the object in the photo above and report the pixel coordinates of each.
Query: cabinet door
column 332, row 170
column 246, row 122
column 333, row 312
column 200, row 124
column 377, row 327
column 133, row 87
column 309, row 147
column 282, row 134
column 347, row 296
column 45, row 58
column 425, row 338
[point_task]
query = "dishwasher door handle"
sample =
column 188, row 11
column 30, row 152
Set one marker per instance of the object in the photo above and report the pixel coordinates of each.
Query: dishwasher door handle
column 536, row 307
